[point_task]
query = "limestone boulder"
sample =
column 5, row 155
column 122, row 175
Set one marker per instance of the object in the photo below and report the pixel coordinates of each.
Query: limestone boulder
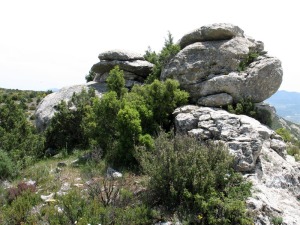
column 220, row 60
column 120, row 55
column 135, row 67
column 243, row 135
column 213, row 32
column 47, row 107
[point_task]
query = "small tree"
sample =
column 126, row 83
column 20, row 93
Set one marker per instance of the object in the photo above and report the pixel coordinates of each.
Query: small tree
column 116, row 82
column 161, row 59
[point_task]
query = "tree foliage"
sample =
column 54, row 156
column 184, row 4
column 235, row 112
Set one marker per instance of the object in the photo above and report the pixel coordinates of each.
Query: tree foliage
column 66, row 129
column 161, row 59
column 18, row 136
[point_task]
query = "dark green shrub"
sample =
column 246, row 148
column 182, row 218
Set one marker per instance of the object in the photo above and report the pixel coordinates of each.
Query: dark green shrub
column 90, row 77
column 18, row 136
column 161, row 59
column 66, row 129
column 245, row 107
column 116, row 82
column 195, row 180
column 7, row 168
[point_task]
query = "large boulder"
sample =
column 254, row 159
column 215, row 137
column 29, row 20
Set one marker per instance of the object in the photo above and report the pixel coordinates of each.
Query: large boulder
column 219, row 60
column 259, row 153
column 135, row 67
column 243, row 135
column 213, row 32
column 47, row 107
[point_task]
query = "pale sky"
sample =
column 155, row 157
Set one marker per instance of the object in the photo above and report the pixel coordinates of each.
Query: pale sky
column 51, row 44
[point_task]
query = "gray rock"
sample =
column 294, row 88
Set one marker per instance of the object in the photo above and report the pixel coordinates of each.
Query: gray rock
column 212, row 67
column 275, row 190
column 243, row 135
column 135, row 67
column 47, row 107
column 213, row 32
column 120, row 55
column 216, row 100
column 140, row 68
column 112, row 173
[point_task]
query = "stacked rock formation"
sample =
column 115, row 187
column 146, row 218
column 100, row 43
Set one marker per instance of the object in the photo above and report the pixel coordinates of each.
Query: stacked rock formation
column 213, row 66
column 135, row 67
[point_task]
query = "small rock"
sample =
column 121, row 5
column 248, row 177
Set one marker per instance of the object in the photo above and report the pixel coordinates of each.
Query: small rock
column 47, row 198
column 111, row 173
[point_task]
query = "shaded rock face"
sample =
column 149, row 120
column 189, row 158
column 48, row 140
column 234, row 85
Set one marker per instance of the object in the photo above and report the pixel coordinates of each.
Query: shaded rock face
column 47, row 107
column 209, row 65
column 259, row 153
column 135, row 67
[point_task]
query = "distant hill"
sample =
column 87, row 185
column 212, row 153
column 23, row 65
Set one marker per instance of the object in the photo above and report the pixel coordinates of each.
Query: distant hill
column 287, row 105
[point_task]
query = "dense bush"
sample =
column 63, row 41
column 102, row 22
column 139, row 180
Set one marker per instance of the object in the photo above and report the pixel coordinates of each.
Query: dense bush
column 161, row 59
column 195, row 180
column 7, row 169
column 20, row 210
column 18, row 136
column 66, row 129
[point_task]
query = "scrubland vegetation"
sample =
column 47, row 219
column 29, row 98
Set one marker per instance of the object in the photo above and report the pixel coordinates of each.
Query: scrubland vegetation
column 60, row 176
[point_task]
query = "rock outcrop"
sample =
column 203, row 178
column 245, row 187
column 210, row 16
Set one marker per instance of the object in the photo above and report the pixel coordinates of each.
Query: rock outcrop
column 47, row 107
column 259, row 153
column 135, row 67
column 213, row 66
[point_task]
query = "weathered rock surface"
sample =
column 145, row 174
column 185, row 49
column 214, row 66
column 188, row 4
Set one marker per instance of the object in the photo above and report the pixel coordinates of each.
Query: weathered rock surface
column 47, row 107
column 259, row 153
column 243, row 135
column 135, row 67
column 121, row 55
column 213, row 32
column 210, row 64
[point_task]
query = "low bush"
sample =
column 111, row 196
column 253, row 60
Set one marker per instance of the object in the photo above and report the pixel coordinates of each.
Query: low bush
column 195, row 180
column 20, row 210
column 7, row 168
column 247, row 61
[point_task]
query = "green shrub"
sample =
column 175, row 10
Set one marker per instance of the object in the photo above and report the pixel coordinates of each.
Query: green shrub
column 277, row 220
column 195, row 180
column 66, row 129
column 247, row 61
column 18, row 136
column 245, row 107
column 161, row 59
column 116, row 82
column 294, row 150
column 20, row 209
column 90, row 77
column 285, row 134
column 7, row 168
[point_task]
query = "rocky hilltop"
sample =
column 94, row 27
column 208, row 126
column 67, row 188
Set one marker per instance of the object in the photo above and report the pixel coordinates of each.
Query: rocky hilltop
column 218, row 65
